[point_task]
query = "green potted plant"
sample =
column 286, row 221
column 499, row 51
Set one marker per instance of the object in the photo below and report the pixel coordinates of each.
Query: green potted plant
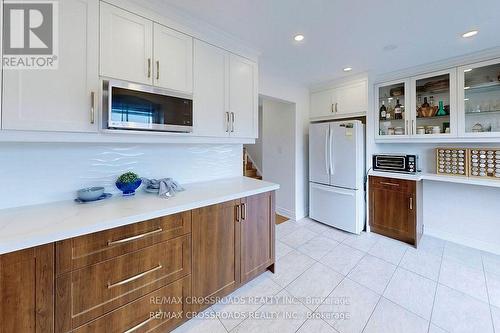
column 128, row 183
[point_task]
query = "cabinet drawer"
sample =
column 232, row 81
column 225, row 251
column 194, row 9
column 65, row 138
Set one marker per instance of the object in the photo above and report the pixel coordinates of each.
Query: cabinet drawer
column 400, row 185
column 83, row 295
column 90, row 249
column 167, row 303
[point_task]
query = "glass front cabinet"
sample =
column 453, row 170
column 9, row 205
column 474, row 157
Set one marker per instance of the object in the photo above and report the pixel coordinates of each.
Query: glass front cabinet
column 393, row 112
column 479, row 99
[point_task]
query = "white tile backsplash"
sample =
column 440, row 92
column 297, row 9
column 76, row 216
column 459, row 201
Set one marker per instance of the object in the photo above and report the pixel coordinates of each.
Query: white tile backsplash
column 36, row 173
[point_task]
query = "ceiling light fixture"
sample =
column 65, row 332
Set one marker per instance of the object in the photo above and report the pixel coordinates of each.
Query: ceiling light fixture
column 347, row 69
column 469, row 34
column 466, row 99
column 466, row 88
column 468, row 70
column 299, row 38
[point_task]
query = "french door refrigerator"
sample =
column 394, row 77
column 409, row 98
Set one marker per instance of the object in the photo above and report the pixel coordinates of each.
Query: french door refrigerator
column 336, row 174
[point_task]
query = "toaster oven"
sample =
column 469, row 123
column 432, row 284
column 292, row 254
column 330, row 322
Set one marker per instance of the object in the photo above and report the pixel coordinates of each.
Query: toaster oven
column 395, row 163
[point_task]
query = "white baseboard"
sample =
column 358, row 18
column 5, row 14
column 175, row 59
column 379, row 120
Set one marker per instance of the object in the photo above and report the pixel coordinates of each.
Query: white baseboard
column 286, row 213
column 463, row 240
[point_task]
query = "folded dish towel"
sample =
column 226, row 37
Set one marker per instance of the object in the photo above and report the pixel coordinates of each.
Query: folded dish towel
column 166, row 187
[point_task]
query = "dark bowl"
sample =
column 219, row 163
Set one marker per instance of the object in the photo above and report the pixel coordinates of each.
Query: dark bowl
column 129, row 188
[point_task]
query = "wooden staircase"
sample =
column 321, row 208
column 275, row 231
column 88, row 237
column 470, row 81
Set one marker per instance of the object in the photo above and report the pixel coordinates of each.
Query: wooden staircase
column 249, row 169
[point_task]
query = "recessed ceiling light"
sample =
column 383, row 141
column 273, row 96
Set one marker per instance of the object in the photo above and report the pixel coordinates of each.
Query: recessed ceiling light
column 466, row 99
column 299, row 38
column 468, row 70
column 347, row 69
column 470, row 33
column 466, row 88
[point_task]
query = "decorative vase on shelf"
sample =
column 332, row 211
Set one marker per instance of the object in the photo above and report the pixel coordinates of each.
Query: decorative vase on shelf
column 128, row 183
column 441, row 112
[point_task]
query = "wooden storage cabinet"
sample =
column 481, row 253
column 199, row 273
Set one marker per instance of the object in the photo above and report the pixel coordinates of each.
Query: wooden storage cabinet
column 90, row 292
column 142, row 277
column 27, row 290
column 216, row 255
column 394, row 208
column 257, row 235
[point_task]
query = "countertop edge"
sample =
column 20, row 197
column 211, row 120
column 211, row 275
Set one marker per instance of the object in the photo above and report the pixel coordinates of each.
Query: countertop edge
column 28, row 242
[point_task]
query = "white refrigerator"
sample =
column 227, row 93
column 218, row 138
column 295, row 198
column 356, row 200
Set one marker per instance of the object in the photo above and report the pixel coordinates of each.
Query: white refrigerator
column 336, row 174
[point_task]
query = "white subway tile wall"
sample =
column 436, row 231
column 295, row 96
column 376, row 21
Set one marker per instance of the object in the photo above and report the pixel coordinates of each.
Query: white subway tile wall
column 37, row 173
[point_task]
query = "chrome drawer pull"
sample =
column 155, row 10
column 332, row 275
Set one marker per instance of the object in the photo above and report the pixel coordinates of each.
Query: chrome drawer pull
column 133, row 278
column 136, row 327
column 120, row 241
column 411, row 203
column 390, row 184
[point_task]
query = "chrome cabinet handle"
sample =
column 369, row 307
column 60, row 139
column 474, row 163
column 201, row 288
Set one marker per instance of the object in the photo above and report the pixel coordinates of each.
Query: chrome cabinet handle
column 135, row 277
column 412, row 126
column 407, row 128
column 232, row 122
column 333, row 108
column 411, row 203
column 227, row 122
column 125, row 240
column 158, row 70
column 336, row 107
column 390, row 184
column 238, row 210
column 149, row 68
column 243, row 211
column 92, row 107
column 136, row 327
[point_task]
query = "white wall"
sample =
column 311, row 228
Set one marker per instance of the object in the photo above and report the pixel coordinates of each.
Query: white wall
column 40, row 173
column 285, row 90
column 255, row 150
column 278, row 152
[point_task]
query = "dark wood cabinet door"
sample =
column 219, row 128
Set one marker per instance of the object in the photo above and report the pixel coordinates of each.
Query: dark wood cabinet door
column 393, row 208
column 216, row 254
column 27, row 290
column 257, row 234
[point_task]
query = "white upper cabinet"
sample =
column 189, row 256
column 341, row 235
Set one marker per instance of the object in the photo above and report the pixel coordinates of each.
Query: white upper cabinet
column 126, row 45
column 343, row 101
column 322, row 104
column 225, row 93
column 63, row 99
column 173, row 57
column 243, row 97
column 351, row 99
column 210, row 91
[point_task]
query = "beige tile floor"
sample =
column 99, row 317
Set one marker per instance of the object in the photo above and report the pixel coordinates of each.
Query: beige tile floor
column 328, row 281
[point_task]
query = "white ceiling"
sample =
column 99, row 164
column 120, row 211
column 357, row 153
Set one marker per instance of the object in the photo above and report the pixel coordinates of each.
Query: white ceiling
column 341, row 33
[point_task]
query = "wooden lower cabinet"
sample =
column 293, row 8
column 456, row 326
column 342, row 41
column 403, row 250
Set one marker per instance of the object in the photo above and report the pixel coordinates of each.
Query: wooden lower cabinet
column 257, row 234
column 216, row 254
column 395, row 208
column 145, row 277
column 27, row 290
column 232, row 243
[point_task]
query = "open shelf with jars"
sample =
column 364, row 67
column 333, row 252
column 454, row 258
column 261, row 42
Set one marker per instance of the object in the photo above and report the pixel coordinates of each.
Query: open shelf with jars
column 479, row 96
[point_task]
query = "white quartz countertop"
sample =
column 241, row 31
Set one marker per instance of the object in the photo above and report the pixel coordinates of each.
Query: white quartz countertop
column 29, row 226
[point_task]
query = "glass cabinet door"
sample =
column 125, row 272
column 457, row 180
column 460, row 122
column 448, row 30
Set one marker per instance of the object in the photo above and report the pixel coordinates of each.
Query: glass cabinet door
column 481, row 98
column 392, row 110
column 435, row 113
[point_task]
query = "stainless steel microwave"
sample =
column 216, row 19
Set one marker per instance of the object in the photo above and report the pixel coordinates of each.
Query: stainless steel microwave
column 395, row 163
column 133, row 106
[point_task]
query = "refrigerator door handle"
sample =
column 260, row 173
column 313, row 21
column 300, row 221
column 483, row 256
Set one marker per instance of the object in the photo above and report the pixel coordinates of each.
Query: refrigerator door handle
column 331, row 152
column 327, row 151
